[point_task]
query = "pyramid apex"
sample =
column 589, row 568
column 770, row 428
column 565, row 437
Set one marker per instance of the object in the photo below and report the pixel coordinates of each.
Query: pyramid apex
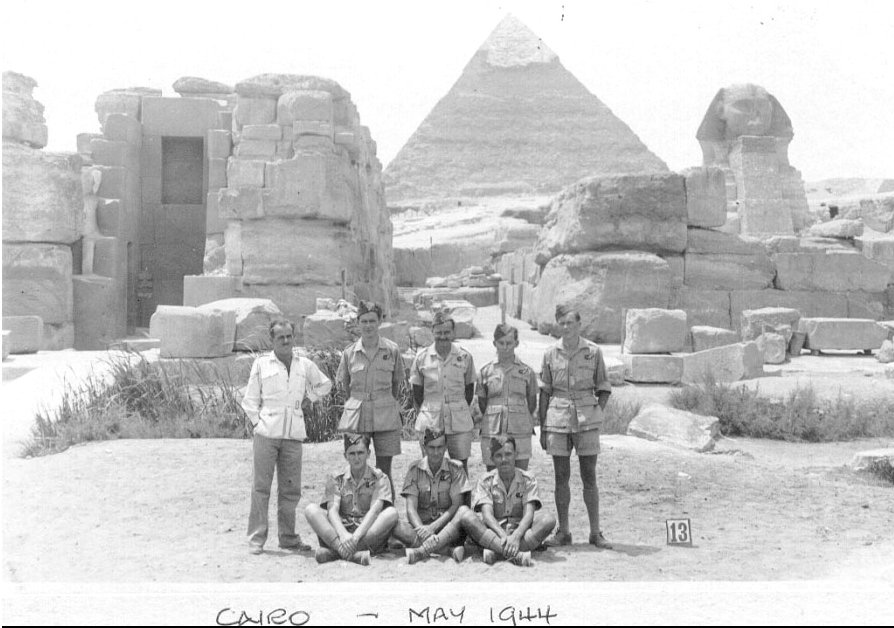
column 512, row 43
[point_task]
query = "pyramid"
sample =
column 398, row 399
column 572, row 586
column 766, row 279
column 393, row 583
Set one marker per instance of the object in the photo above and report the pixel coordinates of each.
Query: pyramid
column 516, row 122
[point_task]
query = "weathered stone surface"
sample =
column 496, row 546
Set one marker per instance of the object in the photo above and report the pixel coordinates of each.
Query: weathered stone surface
column 57, row 336
column 99, row 312
column 809, row 303
column 23, row 119
column 421, row 336
column 245, row 173
column 755, row 322
column 652, row 369
column 37, row 281
column 761, row 217
column 42, row 198
column 773, row 347
column 125, row 101
column 707, row 241
column 654, row 330
column 880, row 250
column 26, row 334
column 196, row 85
column 254, row 111
column 275, row 85
column 878, row 214
column 844, row 334
column 705, row 307
column 253, row 317
column 311, row 185
column 600, row 286
column 886, row 352
column 864, row 460
column 642, row 212
column 675, row 427
column 717, row 271
column 705, row 197
column 245, row 203
column 262, row 132
column 728, row 363
column 867, row 305
column 706, row 337
column 296, row 106
column 5, row 343
column 836, row 271
column 295, row 302
column 839, row 228
column 276, row 251
column 255, row 149
column 398, row 332
column 219, row 144
column 201, row 289
column 187, row 332
column 782, row 244
column 325, row 329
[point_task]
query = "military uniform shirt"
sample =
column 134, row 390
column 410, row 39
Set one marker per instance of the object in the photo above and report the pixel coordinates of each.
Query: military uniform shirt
column 435, row 491
column 357, row 497
column 508, row 504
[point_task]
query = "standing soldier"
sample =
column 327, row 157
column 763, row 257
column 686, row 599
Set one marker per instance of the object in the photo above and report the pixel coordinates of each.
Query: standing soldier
column 507, row 396
column 443, row 379
column 278, row 383
column 370, row 372
column 573, row 392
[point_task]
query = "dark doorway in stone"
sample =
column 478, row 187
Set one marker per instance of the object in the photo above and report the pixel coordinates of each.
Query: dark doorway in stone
column 182, row 173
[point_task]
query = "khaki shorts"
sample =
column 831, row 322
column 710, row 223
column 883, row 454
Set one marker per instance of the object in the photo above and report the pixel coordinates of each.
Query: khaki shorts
column 385, row 443
column 522, row 452
column 459, row 446
column 584, row 443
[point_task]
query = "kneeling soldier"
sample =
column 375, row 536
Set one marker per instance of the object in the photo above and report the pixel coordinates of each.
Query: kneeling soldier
column 507, row 501
column 435, row 489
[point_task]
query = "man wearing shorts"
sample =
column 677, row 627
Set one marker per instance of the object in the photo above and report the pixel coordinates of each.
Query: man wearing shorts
column 574, row 389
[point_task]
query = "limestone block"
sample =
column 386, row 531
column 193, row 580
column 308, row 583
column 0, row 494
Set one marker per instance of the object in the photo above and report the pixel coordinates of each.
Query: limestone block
column 834, row 271
column 864, row 460
column 705, row 197
column 5, row 345
column 82, row 141
column 23, row 119
column 254, row 111
column 202, row 289
column 233, row 248
column 839, row 228
column 213, row 222
column 114, row 182
column 123, row 101
column 464, row 331
column 675, row 427
column 262, row 132
column 277, row 251
column 151, row 157
column 845, row 334
column 26, row 334
column 295, row 302
column 600, row 286
column 312, row 127
column 706, row 337
column 233, row 369
column 728, row 272
column 782, row 244
column 57, row 336
column 878, row 213
column 885, row 353
column 37, row 281
column 245, row 173
column 642, row 212
column 866, row 305
column 318, row 142
column 217, row 174
column 345, row 138
column 99, row 312
column 275, row 85
column 218, row 144
column 421, row 336
column 188, row 332
column 42, row 197
column 245, row 203
column 759, row 217
column 889, row 327
column 256, row 149
column 706, row 307
column 325, row 329
column 755, row 322
column 773, row 347
column 253, row 318
column 178, row 117
column 304, row 105
column 808, row 303
column 311, row 186
column 118, row 153
column 677, row 266
column 121, row 128
column 706, row 241
column 652, row 369
column 398, row 332
column 881, row 251
column 654, row 330
column 199, row 86
column 460, row 311
column 729, row 363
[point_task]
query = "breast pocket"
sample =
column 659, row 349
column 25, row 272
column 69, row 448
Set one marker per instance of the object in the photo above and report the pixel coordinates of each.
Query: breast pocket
column 444, row 494
column 518, row 385
column 272, row 384
column 364, row 497
column 384, row 374
column 583, row 374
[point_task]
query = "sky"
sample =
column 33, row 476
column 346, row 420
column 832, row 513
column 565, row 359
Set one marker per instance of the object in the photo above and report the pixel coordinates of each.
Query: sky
column 656, row 65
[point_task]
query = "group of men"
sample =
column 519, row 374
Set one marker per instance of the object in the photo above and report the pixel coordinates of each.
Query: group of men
column 500, row 513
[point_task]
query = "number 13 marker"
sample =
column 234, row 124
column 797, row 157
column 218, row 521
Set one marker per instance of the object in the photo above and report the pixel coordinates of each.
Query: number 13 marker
column 679, row 532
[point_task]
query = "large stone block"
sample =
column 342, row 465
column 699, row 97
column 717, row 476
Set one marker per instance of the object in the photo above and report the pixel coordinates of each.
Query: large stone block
column 834, row 271
column 314, row 128
column 885, row 353
column 867, row 305
column 642, row 212
column 654, row 330
column 187, row 332
column 256, row 149
column 728, row 363
column 99, row 312
column 178, row 117
column 755, row 322
column 325, row 329
column 262, row 132
column 808, row 303
column 245, row 173
column 707, row 337
column 765, row 217
column 37, row 281
column 652, row 369
column 233, row 369
column 42, row 197
column 705, row 197
column 881, row 251
column 57, row 336
column 707, row 241
column 23, row 119
column 600, row 286
column 675, row 427
column 219, row 144
column 304, row 105
column 254, row 111
column 201, row 289
column 123, row 128
column 5, row 346
column 706, row 307
column 233, row 248
column 864, row 460
column 311, row 185
column 122, row 101
column 245, row 203
column 214, row 224
column 773, row 347
column 844, row 334
column 277, row 251
column 728, row 272
column 839, row 228
column 398, row 332
column 217, row 174
column 26, row 334
column 115, row 153
column 295, row 302
column 253, row 318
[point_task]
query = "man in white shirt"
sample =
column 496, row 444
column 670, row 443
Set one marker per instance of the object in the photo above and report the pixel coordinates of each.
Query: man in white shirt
column 278, row 383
